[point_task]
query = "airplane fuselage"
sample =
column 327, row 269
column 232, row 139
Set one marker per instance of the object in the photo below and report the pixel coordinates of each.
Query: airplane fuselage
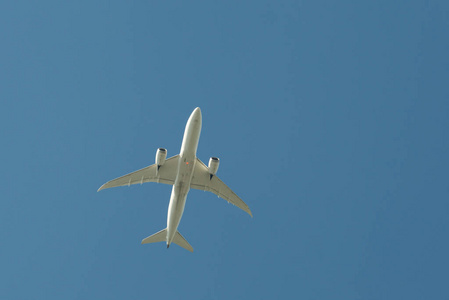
column 186, row 165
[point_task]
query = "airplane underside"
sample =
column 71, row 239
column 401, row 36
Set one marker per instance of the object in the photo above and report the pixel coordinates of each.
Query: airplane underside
column 184, row 171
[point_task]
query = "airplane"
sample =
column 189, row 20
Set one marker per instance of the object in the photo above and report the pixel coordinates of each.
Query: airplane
column 184, row 171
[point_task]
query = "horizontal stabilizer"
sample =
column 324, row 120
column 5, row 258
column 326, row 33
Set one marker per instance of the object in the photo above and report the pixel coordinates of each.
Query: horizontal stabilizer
column 181, row 241
column 160, row 236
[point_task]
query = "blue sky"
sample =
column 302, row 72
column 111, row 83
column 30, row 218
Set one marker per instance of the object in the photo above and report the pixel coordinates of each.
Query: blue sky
column 330, row 119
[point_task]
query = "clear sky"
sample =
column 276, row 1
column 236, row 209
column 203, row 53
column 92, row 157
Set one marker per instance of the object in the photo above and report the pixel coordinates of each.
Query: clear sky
column 330, row 119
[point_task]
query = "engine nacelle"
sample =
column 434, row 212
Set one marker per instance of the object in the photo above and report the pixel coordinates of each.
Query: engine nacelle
column 161, row 154
column 214, row 162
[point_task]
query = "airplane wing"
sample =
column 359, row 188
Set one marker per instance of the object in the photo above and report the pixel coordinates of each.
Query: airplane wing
column 202, row 180
column 166, row 174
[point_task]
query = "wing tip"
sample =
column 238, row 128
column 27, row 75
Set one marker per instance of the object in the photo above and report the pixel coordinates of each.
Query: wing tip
column 101, row 188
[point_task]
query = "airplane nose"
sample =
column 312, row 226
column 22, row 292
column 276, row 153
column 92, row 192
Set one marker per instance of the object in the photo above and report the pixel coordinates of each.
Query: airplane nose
column 195, row 116
column 197, row 113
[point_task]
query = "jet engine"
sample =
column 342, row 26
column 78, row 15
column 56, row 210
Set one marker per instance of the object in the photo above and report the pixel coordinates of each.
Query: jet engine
column 214, row 162
column 161, row 154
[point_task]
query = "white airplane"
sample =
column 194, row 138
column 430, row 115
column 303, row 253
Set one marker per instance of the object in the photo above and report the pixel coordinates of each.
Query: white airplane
column 183, row 171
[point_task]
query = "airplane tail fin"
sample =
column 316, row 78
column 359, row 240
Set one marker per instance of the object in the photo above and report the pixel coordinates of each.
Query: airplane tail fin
column 181, row 241
column 161, row 236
